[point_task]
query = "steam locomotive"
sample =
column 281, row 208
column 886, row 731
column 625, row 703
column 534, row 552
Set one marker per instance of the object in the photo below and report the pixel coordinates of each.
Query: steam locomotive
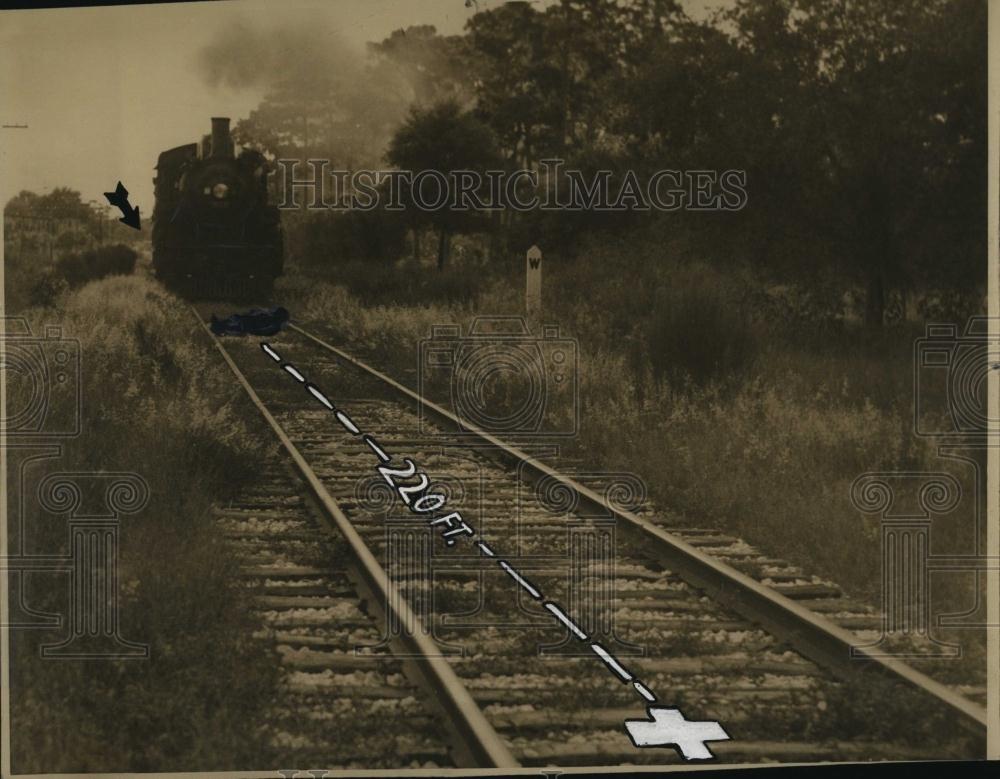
column 214, row 232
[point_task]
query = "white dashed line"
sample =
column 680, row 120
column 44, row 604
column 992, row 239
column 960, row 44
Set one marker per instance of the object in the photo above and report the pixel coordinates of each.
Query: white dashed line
column 295, row 373
column 320, row 396
column 520, row 580
column 613, row 664
column 346, row 422
column 643, row 691
column 486, row 549
column 377, row 449
column 565, row 620
column 270, row 352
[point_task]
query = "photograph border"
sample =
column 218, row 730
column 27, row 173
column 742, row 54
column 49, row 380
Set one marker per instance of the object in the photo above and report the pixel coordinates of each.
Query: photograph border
column 993, row 531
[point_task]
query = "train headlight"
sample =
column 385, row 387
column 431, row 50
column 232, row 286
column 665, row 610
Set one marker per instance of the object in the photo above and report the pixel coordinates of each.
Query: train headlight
column 220, row 191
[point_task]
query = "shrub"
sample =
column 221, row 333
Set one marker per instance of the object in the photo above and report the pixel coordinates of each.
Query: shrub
column 377, row 236
column 378, row 284
column 80, row 267
column 47, row 288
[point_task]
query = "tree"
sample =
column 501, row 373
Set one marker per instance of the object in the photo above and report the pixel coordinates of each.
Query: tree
column 332, row 118
column 57, row 220
column 880, row 106
column 444, row 139
column 346, row 111
column 550, row 82
column 435, row 68
column 61, row 203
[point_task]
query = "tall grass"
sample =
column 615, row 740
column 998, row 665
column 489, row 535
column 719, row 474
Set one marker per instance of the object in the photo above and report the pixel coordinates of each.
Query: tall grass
column 767, row 462
column 157, row 402
column 697, row 335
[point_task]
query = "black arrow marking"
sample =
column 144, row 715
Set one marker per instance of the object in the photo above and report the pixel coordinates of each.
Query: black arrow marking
column 119, row 199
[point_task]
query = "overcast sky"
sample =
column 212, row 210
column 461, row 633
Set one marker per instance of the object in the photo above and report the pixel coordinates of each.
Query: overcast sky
column 105, row 90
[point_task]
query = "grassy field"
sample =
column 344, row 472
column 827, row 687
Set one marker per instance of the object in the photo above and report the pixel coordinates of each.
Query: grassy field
column 159, row 403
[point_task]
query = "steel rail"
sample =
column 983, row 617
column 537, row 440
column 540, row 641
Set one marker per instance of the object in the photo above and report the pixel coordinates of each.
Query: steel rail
column 479, row 740
column 812, row 635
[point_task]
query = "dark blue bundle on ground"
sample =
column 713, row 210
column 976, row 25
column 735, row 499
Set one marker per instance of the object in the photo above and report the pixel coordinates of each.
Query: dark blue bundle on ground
column 257, row 321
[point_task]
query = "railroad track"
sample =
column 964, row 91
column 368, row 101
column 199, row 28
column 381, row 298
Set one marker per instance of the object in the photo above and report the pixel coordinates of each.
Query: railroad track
column 401, row 651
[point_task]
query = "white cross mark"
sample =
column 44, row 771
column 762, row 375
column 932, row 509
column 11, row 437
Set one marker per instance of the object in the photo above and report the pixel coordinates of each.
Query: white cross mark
column 669, row 728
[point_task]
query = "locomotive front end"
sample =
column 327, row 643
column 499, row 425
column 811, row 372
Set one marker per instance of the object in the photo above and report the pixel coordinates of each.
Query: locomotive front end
column 215, row 232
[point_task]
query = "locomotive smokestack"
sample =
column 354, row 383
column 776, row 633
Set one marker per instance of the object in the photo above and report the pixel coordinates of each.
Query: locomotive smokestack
column 222, row 141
